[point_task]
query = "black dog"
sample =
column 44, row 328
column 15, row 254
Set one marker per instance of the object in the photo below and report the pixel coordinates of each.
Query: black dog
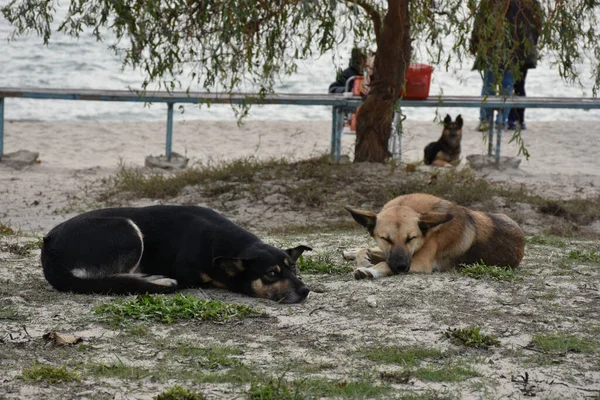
column 446, row 151
column 164, row 248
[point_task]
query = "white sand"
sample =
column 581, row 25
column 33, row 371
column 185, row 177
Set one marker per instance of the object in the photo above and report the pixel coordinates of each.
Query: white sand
column 563, row 155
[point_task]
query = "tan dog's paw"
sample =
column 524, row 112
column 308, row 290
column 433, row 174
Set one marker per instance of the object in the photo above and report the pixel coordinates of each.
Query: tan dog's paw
column 362, row 273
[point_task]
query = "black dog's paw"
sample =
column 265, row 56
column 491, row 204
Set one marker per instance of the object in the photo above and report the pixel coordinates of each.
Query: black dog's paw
column 161, row 280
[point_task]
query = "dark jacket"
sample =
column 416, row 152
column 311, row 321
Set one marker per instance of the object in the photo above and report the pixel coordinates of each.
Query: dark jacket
column 516, row 47
column 339, row 86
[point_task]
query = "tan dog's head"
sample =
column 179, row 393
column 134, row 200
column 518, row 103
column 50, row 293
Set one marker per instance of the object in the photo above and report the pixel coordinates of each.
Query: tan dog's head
column 399, row 231
column 452, row 133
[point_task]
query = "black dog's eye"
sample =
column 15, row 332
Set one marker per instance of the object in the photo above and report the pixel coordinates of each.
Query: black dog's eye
column 410, row 239
column 271, row 274
column 387, row 239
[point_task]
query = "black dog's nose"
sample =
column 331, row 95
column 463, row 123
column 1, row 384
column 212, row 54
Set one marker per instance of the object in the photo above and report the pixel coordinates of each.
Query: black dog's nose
column 303, row 292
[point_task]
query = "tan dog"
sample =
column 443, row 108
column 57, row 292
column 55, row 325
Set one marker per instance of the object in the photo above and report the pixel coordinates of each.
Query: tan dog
column 423, row 233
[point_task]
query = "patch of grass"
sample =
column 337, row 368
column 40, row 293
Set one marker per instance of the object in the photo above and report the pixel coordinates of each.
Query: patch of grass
column 170, row 309
column 584, row 256
column 407, row 356
column 321, row 264
column 545, row 241
column 447, row 373
column 274, row 390
column 360, row 389
column 238, row 374
column 212, row 357
column 6, row 229
column 49, row 374
column 398, row 377
column 22, row 250
column 428, row 395
column 562, row 343
column 482, row 271
column 317, row 184
column 179, row 393
column 161, row 185
column 9, row 313
column 471, row 337
column 137, row 330
column 118, row 370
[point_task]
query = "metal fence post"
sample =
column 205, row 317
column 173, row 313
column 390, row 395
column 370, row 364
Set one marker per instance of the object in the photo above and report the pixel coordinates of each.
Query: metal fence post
column 498, row 143
column 1, row 127
column 169, row 146
column 338, row 133
column 491, row 135
column 334, row 115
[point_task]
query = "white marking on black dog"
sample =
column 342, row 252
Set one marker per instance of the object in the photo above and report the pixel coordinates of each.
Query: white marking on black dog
column 139, row 232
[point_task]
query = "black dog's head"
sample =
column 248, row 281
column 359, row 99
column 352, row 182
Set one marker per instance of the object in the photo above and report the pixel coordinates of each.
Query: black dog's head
column 265, row 271
column 452, row 133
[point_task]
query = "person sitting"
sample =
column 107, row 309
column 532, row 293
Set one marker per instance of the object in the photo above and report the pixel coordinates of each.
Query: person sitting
column 357, row 66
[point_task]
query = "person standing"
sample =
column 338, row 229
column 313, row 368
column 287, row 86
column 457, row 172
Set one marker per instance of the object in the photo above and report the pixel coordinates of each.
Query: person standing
column 501, row 49
column 530, row 16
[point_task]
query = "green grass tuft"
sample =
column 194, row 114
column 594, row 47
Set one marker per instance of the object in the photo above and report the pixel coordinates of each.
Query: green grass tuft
column 407, row 356
column 471, row 337
column 585, row 256
column 315, row 388
column 274, row 390
column 179, row 393
column 482, row 271
column 562, row 343
column 118, row 370
column 397, row 377
column 49, row 374
column 545, row 241
column 321, row 264
column 168, row 310
column 6, row 230
column 22, row 250
column 447, row 373
column 212, row 357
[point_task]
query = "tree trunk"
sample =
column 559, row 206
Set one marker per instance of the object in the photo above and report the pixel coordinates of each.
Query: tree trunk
column 374, row 119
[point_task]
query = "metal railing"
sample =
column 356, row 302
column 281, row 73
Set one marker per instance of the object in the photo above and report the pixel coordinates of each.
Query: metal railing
column 340, row 104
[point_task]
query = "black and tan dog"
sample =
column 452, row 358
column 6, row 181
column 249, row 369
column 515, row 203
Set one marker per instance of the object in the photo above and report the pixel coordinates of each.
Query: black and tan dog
column 164, row 248
column 446, row 151
column 423, row 233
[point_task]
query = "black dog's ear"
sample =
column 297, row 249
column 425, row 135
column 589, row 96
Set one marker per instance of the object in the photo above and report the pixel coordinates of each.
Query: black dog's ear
column 447, row 120
column 459, row 121
column 430, row 220
column 367, row 219
column 231, row 266
column 296, row 252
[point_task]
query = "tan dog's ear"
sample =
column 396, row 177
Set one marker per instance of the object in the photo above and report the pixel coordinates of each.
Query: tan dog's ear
column 231, row 266
column 296, row 252
column 430, row 220
column 367, row 219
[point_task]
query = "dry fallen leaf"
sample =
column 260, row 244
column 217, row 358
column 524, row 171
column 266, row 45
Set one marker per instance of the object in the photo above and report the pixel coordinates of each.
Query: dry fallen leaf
column 62, row 339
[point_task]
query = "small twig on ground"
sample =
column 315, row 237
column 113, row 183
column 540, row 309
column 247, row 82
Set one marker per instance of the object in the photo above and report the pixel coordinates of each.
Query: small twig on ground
column 25, row 329
column 315, row 310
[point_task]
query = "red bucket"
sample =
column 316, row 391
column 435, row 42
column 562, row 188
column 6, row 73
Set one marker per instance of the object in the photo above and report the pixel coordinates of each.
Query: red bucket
column 418, row 79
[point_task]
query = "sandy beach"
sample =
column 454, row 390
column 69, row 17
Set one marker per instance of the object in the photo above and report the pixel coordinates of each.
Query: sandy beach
column 563, row 161
column 329, row 339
